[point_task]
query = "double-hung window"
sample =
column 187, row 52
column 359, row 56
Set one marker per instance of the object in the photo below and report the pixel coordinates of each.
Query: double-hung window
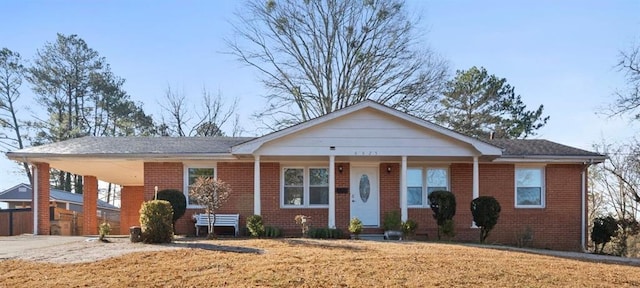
column 191, row 173
column 529, row 187
column 305, row 187
column 421, row 181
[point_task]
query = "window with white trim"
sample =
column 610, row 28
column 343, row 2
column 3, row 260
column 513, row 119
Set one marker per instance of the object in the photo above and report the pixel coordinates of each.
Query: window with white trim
column 191, row 173
column 529, row 187
column 305, row 187
column 421, row 181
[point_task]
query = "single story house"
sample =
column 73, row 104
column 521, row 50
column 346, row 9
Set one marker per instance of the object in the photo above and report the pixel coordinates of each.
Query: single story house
column 319, row 168
column 20, row 196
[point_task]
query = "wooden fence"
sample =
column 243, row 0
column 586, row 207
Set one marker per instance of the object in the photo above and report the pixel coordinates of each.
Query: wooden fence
column 63, row 222
column 16, row 221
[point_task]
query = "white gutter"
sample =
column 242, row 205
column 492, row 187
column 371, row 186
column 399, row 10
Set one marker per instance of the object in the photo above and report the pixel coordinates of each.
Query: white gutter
column 34, row 207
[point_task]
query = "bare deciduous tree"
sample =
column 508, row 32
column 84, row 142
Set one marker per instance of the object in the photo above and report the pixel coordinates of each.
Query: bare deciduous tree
column 212, row 194
column 323, row 55
column 628, row 101
column 205, row 119
column 617, row 181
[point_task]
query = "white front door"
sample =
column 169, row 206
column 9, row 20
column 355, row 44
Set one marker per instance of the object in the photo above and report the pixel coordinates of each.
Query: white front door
column 365, row 195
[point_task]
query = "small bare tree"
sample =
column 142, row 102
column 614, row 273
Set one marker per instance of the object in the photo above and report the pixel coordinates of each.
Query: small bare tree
column 212, row 194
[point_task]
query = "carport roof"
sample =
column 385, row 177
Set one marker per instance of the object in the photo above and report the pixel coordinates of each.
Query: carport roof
column 132, row 146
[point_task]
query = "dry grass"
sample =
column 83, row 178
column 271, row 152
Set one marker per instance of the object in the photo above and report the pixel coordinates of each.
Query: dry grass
column 318, row 263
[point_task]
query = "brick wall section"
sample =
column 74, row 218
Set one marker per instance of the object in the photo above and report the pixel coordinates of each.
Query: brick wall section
column 131, row 201
column 166, row 175
column 44, row 224
column 90, row 206
column 343, row 201
column 239, row 176
column 284, row 218
column 389, row 190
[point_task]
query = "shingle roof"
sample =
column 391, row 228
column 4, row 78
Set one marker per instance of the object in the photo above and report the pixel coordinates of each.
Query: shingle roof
column 23, row 192
column 138, row 145
column 539, row 147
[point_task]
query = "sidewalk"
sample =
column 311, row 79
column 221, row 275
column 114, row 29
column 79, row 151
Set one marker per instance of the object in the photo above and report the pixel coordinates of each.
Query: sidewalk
column 569, row 255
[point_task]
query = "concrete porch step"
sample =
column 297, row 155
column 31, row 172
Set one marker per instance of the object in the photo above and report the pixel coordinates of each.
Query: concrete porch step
column 376, row 237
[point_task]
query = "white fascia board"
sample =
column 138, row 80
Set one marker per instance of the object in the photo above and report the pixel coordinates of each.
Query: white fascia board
column 28, row 157
column 550, row 159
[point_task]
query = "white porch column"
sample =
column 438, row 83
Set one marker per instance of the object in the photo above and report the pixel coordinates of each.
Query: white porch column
column 476, row 184
column 476, row 178
column 404, row 212
column 35, row 189
column 332, row 192
column 256, row 185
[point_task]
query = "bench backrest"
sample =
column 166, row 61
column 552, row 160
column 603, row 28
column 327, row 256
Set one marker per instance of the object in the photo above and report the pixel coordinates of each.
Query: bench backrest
column 221, row 219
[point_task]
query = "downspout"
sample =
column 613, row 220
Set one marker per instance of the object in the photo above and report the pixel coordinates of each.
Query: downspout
column 583, row 230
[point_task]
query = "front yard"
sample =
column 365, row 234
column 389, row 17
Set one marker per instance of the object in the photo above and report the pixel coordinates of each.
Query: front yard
column 319, row 263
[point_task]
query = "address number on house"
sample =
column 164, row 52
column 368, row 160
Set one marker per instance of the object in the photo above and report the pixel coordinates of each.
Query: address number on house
column 365, row 153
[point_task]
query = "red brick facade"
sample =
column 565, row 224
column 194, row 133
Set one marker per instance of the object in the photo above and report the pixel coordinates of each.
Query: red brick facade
column 44, row 224
column 90, row 206
column 131, row 198
column 556, row 226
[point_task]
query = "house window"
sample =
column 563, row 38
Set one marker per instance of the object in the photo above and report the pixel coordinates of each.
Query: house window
column 422, row 181
column 305, row 187
column 318, row 186
column 293, row 186
column 191, row 174
column 414, row 187
column 530, row 187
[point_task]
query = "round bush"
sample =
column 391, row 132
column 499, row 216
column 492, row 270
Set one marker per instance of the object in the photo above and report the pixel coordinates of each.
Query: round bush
column 177, row 200
column 155, row 218
column 485, row 211
column 255, row 226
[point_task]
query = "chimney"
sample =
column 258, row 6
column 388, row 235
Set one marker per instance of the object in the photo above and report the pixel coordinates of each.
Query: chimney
column 491, row 135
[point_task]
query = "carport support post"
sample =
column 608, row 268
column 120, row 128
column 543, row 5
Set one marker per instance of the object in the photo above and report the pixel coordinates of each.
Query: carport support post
column 90, row 206
column 40, row 207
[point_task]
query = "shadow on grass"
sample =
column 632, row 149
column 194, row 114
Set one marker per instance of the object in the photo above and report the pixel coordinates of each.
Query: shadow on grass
column 579, row 256
column 215, row 247
column 324, row 244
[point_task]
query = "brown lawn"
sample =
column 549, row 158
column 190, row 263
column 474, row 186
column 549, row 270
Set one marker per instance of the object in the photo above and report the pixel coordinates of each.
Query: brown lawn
column 321, row 263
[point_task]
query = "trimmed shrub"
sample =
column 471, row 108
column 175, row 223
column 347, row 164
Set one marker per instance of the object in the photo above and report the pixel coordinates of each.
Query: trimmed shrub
column 392, row 221
column 155, row 218
column 104, row 229
column 272, row 232
column 443, row 205
column 485, row 211
column 409, row 228
column 177, row 200
column 355, row 227
column 604, row 228
column 325, row 233
column 255, row 226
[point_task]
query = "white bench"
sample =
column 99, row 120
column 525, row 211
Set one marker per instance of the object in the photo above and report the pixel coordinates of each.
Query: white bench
column 221, row 220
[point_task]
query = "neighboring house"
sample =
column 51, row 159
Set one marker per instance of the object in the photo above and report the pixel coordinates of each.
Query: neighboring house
column 20, row 196
column 361, row 161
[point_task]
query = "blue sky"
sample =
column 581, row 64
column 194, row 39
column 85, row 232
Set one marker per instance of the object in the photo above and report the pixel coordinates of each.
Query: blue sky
column 557, row 53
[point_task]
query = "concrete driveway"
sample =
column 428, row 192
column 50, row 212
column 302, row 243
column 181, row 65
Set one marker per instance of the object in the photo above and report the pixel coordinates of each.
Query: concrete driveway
column 12, row 246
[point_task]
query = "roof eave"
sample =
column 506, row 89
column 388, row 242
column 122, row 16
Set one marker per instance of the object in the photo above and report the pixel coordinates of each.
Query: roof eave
column 585, row 159
column 24, row 157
